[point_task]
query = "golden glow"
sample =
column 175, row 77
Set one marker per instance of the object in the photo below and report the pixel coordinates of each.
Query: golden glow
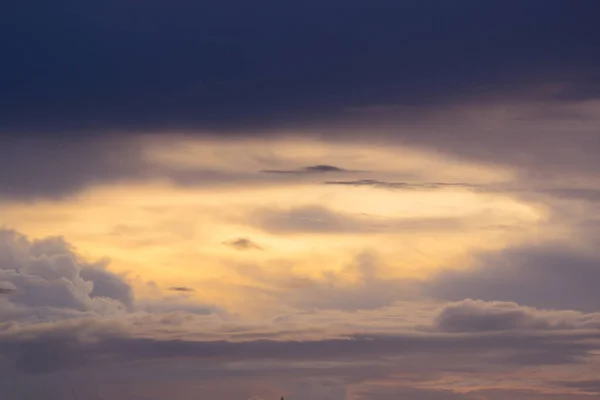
column 251, row 155
column 177, row 234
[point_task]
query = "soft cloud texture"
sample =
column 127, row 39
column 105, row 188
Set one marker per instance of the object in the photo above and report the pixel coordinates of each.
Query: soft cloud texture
column 324, row 200
column 547, row 276
column 48, row 281
column 63, row 322
column 222, row 67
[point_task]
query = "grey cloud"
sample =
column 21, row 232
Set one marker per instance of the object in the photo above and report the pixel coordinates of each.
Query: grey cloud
column 471, row 336
column 586, row 194
column 528, row 394
column 408, row 393
column 479, row 316
column 7, row 288
column 109, row 285
column 314, row 169
column 187, row 380
column 243, row 244
column 504, row 349
column 47, row 276
column 56, row 166
column 324, row 168
column 179, row 302
column 548, row 276
column 525, row 188
column 406, row 185
column 317, row 219
column 103, row 343
column 492, row 131
column 42, row 167
column 48, row 355
column 190, row 381
column 588, row 386
column 183, row 289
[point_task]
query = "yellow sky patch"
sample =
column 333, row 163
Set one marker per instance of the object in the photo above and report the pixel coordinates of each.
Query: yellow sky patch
column 177, row 235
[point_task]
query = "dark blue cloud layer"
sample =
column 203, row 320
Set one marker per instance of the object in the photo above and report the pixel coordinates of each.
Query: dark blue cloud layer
column 229, row 64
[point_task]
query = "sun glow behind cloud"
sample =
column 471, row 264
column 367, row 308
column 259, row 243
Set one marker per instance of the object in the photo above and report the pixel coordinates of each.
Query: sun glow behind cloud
column 316, row 200
column 175, row 232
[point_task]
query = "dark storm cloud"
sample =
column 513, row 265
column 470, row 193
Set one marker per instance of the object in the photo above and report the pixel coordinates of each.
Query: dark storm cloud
column 255, row 68
column 231, row 64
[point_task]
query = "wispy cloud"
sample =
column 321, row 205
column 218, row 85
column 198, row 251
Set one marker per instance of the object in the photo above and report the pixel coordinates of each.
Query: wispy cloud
column 318, row 219
column 407, row 185
column 182, row 289
column 243, row 244
column 314, row 169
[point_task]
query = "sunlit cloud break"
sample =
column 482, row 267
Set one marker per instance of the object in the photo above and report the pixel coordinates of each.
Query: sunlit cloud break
column 334, row 200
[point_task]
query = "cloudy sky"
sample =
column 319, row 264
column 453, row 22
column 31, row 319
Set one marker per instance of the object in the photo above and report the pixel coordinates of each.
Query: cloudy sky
column 325, row 200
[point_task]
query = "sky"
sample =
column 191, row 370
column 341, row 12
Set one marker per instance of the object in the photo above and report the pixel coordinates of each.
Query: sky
column 322, row 200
